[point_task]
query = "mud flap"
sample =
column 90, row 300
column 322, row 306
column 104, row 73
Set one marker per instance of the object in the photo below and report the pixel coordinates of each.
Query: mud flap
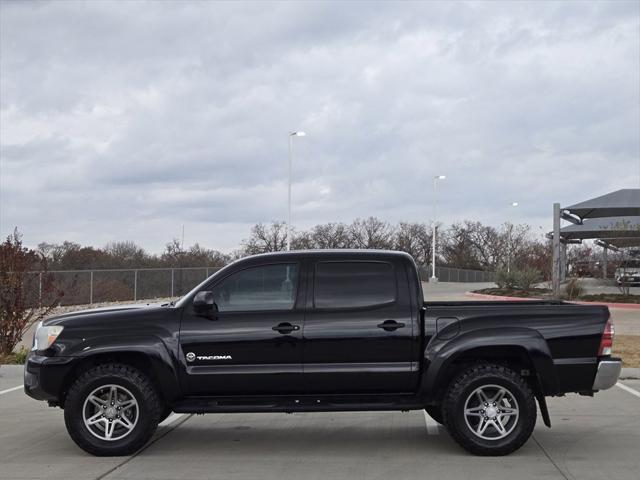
column 542, row 403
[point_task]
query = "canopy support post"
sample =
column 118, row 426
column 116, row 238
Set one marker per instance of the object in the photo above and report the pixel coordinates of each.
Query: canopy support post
column 555, row 266
column 563, row 261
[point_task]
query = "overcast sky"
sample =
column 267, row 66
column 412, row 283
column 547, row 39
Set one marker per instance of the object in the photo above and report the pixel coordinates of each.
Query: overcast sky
column 126, row 120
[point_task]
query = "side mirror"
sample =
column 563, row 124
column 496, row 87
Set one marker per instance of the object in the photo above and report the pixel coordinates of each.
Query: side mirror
column 204, row 302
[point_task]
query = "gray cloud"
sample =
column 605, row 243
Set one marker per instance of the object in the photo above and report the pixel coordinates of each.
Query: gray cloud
column 129, row 119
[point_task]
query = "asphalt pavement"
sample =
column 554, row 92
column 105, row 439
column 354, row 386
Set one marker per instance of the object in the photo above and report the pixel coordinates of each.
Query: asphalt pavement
column 591, row 438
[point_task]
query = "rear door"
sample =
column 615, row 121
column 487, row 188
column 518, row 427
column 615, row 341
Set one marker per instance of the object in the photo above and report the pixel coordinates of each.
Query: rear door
column 359, row 328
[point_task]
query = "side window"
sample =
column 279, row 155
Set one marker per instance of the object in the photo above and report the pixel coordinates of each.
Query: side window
column 268, row 287
column 353, row 284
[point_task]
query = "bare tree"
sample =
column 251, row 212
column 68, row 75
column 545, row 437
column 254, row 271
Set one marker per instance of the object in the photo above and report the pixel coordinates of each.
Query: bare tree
column 173, row 252
column 458, row 248
column 515, row 240
column 271, row 238
column 17, row 311
column 415, row 239
column 371, row 233
column 198, row 256
column 302, row 241
column 126, row 254
column 330, row 235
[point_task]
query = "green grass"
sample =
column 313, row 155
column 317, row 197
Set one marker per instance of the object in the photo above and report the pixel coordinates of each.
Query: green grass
column 15, row 358
column 611, row 298
column 546, row 293
column 512, row 292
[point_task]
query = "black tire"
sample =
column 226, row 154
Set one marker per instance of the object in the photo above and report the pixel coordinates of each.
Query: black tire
column 150, row 407
column 464, row 387
column 165, row 413
column 435, row 412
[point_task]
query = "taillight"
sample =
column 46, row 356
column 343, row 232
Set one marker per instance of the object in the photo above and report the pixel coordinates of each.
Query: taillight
column 606, row 343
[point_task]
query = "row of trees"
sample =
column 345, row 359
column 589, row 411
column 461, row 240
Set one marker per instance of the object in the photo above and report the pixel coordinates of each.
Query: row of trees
column 126, row 254
column 467, row 244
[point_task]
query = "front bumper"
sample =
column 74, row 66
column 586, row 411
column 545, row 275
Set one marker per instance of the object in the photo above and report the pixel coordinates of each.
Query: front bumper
column 44, row 376
column 607, row 374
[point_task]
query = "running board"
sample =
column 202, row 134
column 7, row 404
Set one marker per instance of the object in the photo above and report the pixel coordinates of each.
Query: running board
column 296, row 404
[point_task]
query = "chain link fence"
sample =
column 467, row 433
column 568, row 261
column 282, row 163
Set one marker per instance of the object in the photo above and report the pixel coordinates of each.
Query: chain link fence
column 462, row 275
column 98, row 286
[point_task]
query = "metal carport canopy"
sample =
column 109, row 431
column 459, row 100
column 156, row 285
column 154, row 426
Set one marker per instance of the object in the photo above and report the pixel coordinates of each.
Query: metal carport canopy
column 625, row 202
column 622, row 242
column 612, row 229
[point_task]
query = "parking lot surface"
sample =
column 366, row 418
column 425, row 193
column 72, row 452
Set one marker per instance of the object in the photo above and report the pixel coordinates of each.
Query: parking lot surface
column 591, row 438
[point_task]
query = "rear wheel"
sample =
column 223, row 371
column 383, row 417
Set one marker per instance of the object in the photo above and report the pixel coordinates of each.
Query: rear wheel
column 112, row 410
column 489, row 410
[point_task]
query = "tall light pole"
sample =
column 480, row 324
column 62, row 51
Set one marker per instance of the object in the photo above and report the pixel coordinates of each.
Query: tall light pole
column 434, row 233
column 291, row 135
column 509, row 249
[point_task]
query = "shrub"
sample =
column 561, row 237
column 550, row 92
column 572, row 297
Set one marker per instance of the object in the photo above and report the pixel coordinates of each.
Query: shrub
column 573, row 289
column 21, row 356
column 526, row 277
column 505, row 279
column 625, row 288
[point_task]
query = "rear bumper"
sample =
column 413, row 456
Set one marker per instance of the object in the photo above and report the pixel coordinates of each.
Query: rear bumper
column 607, row 374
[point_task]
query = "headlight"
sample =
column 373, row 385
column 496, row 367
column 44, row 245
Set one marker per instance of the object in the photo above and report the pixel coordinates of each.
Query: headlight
column 45, row 336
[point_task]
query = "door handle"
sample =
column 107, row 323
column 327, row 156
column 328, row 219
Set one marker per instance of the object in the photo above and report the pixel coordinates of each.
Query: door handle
column 285, row 328
column 390, row 325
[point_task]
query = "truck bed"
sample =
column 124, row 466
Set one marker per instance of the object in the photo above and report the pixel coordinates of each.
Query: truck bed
column 571, row 331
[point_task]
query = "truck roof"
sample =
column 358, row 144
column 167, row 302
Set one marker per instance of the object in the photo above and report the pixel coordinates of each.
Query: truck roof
column 335, row 253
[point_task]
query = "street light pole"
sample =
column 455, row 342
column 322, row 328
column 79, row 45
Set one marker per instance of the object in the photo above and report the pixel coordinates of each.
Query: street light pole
column 291, row 135
column 510, row 248
column 434, row 232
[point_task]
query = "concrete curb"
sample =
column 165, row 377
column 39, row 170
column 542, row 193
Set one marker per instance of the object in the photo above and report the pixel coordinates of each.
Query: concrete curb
column 484, row 296
column 630, row 374
column 627, row 306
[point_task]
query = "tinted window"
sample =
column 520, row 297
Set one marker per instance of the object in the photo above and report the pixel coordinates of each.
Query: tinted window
column 353, row 284
column 269, row 287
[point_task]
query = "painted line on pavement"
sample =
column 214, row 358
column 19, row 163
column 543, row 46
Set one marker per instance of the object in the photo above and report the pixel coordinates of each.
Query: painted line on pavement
column 157, row 437
column 2, row 392
column 170, row 419
column 628, row 389
column 432, row 425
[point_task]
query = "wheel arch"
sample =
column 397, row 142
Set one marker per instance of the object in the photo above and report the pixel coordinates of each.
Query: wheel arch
column 523, row 348
column 148, row 359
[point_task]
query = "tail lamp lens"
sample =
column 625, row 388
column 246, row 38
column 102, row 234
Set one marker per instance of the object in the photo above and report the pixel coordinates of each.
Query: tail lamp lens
column 606, row 343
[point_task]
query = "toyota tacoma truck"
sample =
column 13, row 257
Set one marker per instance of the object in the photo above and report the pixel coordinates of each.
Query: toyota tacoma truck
column 319, row 331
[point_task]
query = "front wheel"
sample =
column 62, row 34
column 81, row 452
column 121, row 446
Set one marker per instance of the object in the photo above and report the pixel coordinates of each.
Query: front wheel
column 112, row 410
column 489, row 410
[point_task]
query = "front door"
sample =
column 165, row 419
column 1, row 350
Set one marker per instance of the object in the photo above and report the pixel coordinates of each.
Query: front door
column 359, row 329
column 252, row 345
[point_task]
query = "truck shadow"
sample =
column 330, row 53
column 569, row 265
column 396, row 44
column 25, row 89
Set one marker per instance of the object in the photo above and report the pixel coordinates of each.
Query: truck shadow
column 330, row 438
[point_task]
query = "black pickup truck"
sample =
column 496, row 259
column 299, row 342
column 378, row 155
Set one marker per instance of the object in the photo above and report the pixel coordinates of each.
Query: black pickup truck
column 319, row 331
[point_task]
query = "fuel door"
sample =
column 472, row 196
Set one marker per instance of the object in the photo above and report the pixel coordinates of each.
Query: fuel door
column 447, row 327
